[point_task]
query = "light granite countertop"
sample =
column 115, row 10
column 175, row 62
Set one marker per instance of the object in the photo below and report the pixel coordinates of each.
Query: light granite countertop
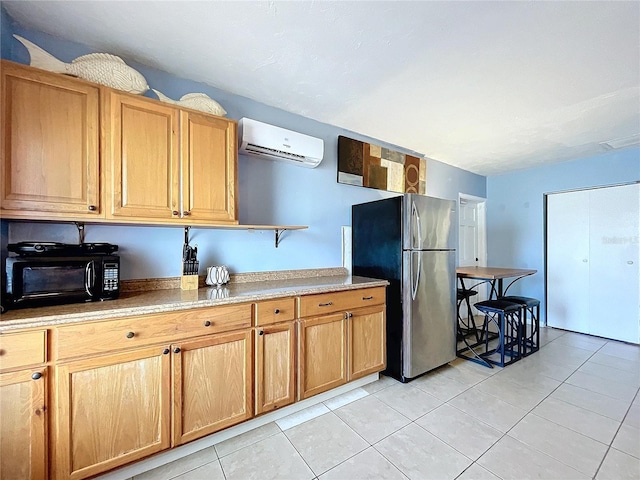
column 248, row 288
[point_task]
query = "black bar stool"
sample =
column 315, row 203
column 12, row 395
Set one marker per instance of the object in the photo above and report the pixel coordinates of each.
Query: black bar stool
column 507, row 316
column 531, row 309
column 467, row 327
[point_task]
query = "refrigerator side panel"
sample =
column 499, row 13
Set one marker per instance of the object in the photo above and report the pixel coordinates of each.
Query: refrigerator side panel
column 429, row 310
column 429, row 223
column 377, row 253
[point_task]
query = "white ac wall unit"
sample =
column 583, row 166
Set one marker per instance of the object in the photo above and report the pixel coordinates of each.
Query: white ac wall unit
column 268, row 141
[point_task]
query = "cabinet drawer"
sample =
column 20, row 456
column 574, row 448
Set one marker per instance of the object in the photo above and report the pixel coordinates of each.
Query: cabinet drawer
column 322, row 303
column 275, row 311
column 22, row 349
column 100, row 337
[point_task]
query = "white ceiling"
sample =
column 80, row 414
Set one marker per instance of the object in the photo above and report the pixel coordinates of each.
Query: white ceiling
column 490, row 87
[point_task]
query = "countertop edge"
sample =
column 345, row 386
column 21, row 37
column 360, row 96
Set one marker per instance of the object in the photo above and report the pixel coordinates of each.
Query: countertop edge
column 50, row 320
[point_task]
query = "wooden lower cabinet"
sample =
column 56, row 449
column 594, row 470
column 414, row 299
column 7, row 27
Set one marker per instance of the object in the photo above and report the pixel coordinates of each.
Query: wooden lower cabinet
column 337, row 348
column 110, row 410
column 23, row 414
column 275, row 366
column 367, row 342
column 322, row 354
column 212, row 384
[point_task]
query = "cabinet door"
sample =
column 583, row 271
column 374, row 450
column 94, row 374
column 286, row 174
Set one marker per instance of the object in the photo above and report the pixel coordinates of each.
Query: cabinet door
column 208, row 151
column 212, row 384
column 323, row 354
column 275, row 366
column 23, row 425
column 367, row 344
column 143, row 170
column 568, row 261
column 49, row 149
column 110, row 411
column 613, row 258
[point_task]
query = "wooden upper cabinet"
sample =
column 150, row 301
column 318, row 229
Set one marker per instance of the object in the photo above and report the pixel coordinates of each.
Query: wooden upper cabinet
column 167, row 164
column 75, row 150
column 143, row 166
column 209, row 160
column 49, row 145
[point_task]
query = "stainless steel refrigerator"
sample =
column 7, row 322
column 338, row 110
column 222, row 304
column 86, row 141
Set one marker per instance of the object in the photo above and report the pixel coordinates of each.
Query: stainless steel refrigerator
column 410, row 241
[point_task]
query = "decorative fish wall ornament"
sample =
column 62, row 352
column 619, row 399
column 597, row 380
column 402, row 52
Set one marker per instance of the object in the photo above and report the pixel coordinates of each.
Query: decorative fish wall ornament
column 196, row 101
column 103, row 68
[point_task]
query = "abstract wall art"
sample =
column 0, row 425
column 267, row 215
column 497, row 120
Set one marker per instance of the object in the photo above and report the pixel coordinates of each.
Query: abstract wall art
column 367, row 165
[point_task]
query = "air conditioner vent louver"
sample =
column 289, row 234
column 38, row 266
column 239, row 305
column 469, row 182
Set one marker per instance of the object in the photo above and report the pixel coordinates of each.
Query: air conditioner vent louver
column 260, row 150
column 268, row 141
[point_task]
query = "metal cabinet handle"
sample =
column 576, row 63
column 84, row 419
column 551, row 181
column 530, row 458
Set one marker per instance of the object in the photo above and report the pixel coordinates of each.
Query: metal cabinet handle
column 345, row 316
column 36, row 376
column 92, row 208
column 368, row 298
column 166, row 351
column 325, row 304
column 130, row 334
column 261, row 332
column 207, row 323
column 175, row 213
column 276, row 311
column 176, row 350
column 186, row 213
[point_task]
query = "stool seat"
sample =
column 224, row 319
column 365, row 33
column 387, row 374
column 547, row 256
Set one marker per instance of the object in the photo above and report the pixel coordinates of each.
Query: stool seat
column 462, row 294
column 528, row 301
column 496, row 306
column 507, row 318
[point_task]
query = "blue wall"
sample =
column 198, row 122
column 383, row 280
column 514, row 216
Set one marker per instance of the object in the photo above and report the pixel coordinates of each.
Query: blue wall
column 269, row 192
column 515, row 215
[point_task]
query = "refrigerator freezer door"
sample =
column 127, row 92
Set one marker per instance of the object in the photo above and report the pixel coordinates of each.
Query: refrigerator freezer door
column 428, row 339
column 428, row 223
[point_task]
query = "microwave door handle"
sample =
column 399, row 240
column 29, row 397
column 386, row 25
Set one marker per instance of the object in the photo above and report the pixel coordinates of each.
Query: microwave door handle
column 89, row 278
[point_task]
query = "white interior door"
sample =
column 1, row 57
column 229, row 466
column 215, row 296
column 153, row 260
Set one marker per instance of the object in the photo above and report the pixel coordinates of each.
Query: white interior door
column 593, row 252
column 472, row 241
column 469, row 254
column 613, row 259
column 568, row 261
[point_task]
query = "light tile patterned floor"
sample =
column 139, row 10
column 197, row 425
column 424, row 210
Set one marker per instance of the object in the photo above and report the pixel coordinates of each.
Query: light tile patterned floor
column 570, row 411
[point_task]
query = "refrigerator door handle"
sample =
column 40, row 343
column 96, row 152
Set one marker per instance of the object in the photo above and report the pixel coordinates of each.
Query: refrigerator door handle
column 414, row 284
column 418, row 227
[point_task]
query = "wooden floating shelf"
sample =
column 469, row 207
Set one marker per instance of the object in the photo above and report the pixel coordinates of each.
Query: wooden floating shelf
column 278, row 229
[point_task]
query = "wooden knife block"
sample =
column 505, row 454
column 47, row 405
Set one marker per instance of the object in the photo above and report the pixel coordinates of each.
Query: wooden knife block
column 189, row 282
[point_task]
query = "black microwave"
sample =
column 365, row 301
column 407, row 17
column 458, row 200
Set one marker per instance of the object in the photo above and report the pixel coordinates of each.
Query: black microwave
column 42, row 279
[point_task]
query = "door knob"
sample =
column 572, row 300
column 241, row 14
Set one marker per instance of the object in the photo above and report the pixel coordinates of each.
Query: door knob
column 630, row 262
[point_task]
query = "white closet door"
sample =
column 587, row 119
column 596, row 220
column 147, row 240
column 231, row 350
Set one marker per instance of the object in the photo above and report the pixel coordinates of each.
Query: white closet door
column 568, row 261
column 613, row 253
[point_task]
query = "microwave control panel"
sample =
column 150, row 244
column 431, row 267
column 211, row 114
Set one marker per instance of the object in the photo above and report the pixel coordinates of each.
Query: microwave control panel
column 111, row 277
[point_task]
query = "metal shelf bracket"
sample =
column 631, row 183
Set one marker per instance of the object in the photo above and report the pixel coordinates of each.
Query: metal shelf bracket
column 279, row 232
column 80, row 227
